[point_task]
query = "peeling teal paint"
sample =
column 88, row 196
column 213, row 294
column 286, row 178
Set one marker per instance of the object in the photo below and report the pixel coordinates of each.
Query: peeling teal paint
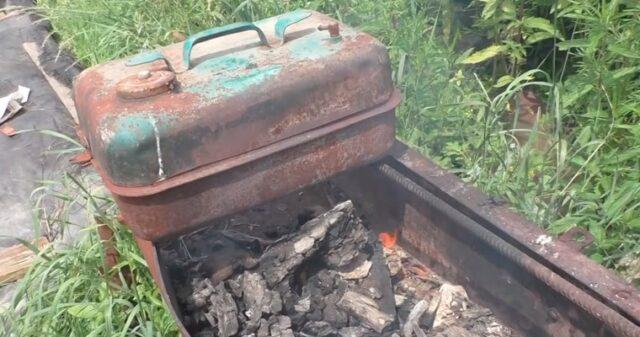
column 133, row 146
column 316, row 45
column 145, row 57
column 222, row 63
column 129, row 132
column 250, row 78
column 312, row 47
column 228, row 75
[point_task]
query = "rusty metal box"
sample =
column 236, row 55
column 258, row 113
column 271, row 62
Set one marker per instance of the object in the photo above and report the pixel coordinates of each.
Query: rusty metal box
column 234, row 116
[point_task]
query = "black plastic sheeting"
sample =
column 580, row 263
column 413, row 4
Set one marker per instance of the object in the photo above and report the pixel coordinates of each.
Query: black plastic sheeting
column 24, row 161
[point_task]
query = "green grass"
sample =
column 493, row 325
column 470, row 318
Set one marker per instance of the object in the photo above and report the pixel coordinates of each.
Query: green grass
column 65, row 294
column 581, row 59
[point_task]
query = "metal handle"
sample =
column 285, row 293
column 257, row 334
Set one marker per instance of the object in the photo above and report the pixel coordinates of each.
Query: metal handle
column 217, row 32
column 286, row 20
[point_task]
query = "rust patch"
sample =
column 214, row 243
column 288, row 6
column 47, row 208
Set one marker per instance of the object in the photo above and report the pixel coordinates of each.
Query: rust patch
column 186, row 206
column 82, row 159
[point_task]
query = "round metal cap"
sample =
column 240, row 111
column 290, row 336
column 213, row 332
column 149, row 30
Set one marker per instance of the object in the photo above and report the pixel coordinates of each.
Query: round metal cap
column 145, row 84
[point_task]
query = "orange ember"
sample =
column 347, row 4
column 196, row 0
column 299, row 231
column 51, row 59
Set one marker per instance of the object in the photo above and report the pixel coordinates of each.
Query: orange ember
column 387, row 239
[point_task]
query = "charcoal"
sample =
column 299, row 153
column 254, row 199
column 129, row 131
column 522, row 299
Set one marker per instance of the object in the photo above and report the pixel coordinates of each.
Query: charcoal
column 352, row 331
column 263, row 330
column 303, row 305
column 374, row 293
column 429, row 316
column 205, row 333
column 359, row 271
column 224, row 309
column 453, row 301
column 281, row 327
column 380, row 280
column 453, row 331
column 329, row 278
column 201, row 293
column 235, row 285
column 316, row 313
column 412, row 323
column 279, row 260
column 394, row 262
column 319, row 329
column 332, row 314
column 223, row 273
column 210, row 318
column 366, row 310
column 275, row 303
column 345, row 244
column 255, row 296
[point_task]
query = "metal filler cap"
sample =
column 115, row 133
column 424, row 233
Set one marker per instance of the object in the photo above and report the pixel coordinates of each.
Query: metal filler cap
column 145, row 84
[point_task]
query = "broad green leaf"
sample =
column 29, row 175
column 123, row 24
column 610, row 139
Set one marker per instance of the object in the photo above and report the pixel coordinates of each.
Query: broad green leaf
column 539, row 36
column 484, row 54
column 508, row 10
column 504, row 80
column 539, row 24
column 490, row 7
column 464, row 55
column 84, row 310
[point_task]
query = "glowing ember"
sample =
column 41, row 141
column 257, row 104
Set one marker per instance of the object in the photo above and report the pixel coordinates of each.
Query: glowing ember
column 387, row 239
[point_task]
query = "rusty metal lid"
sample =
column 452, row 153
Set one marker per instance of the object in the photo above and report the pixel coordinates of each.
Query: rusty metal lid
column 225, row 92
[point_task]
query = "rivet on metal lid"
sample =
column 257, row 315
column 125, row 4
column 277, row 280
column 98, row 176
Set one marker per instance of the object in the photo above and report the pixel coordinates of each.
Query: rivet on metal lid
column 143, row 75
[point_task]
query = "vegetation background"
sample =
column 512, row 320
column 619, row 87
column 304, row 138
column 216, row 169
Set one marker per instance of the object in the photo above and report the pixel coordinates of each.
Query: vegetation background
column 535, row 101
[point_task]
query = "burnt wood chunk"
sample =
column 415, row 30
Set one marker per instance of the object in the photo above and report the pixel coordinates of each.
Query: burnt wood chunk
column 454, row 331
column 224, row 309
column 255, row 296
column 281, row 259
column 345, row 243
column 412, row 324
column 366, row 310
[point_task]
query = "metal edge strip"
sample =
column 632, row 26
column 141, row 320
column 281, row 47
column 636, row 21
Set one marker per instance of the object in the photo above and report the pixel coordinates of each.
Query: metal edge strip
column 593, row 280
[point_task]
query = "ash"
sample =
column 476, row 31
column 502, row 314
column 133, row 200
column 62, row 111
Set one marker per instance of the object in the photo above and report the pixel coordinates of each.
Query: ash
column 329, row 277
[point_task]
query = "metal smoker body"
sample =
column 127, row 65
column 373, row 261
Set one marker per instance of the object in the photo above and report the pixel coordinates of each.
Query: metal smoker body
column 232, row 117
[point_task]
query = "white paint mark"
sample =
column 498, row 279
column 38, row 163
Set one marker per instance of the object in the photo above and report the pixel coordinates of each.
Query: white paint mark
column 158, row 150
column 543, row 240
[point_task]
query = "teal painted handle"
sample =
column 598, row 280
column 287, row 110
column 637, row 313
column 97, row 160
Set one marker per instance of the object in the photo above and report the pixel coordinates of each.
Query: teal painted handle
column 217, row 32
